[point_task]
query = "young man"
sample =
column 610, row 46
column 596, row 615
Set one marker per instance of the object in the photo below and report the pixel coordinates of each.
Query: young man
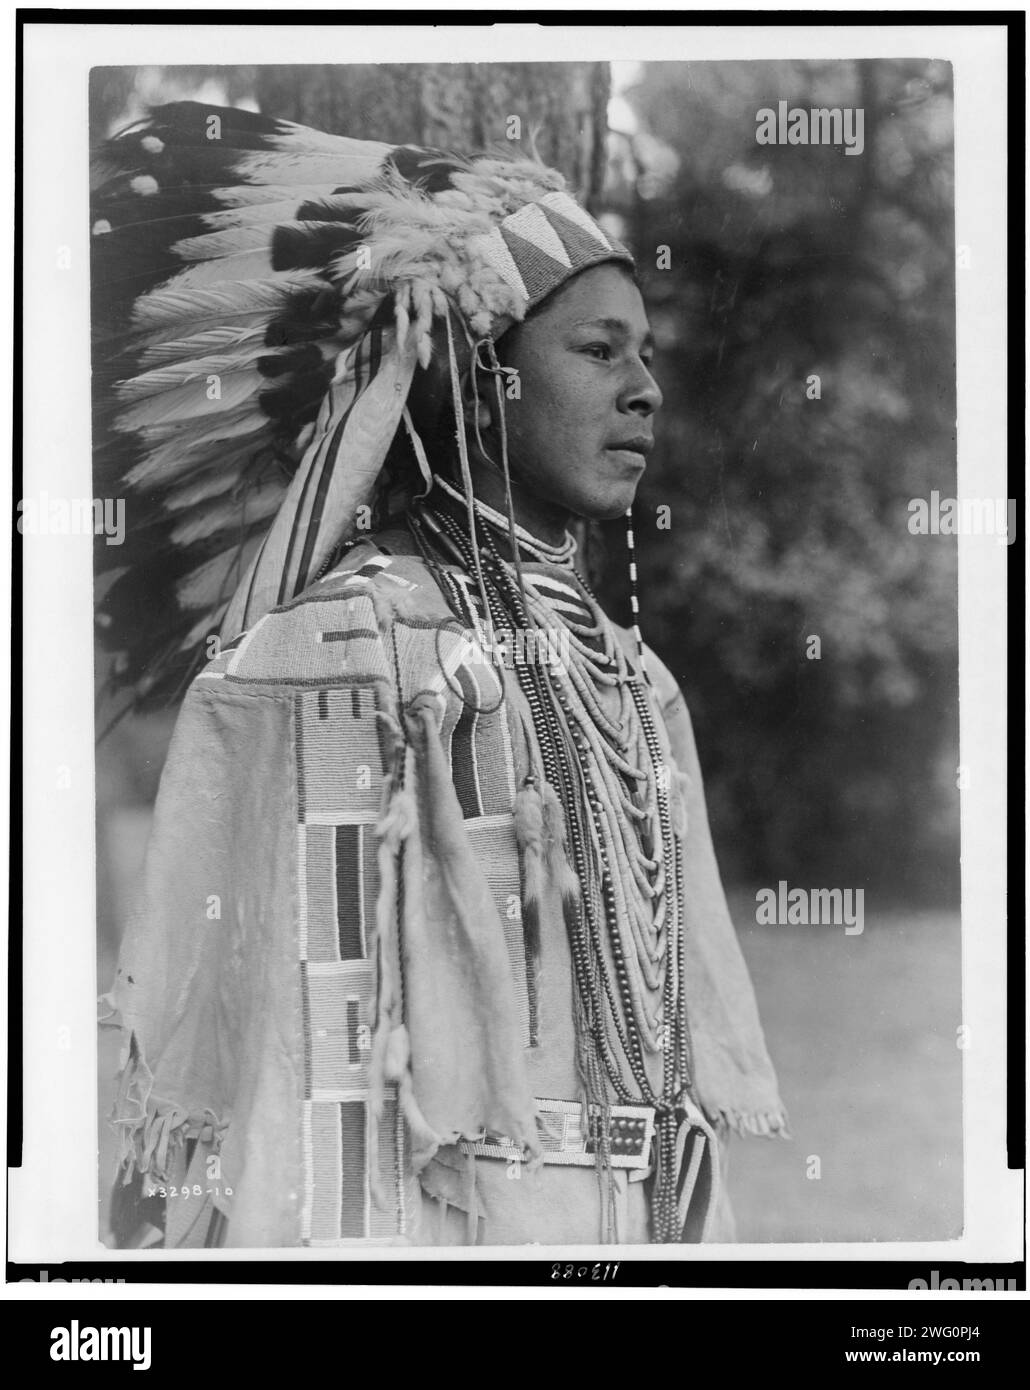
column 432, row 946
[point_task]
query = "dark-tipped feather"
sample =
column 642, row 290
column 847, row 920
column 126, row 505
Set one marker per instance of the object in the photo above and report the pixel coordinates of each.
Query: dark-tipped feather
column 217, row 323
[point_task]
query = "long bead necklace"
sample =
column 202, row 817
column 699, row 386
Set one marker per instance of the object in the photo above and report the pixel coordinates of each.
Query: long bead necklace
column 562, row 554
column 577, row 760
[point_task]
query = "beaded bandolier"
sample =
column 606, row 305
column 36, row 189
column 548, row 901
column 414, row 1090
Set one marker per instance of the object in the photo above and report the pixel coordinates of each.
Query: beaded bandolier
column 613, row 790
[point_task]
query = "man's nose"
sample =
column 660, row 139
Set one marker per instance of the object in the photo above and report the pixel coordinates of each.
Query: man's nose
column 643, row 395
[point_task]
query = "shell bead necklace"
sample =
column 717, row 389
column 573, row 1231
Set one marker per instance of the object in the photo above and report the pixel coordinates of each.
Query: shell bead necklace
column 624, row 940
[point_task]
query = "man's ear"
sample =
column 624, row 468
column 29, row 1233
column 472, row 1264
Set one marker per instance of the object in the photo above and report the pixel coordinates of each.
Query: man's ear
column 477, row 412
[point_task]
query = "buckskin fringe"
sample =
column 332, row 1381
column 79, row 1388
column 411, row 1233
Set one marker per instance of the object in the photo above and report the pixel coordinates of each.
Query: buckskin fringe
column 390, row 1060
column 153, row 1130
column 767, row 1125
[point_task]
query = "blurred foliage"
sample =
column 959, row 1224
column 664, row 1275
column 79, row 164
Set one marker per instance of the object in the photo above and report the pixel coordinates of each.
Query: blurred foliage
column 789, row 514
column 560, row 107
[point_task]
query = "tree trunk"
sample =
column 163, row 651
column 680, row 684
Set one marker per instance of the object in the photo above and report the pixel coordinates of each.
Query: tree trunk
column 560, row 108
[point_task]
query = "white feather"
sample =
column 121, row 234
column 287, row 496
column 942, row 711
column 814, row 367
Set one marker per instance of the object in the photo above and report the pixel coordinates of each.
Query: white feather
column 219, row 479
column 302, row 138
column 193, row 399
column 228, row 241
column 231, row 300
column 214, row 580
column 167, row 377
column 255, row 194
column 175, row 458
column 243, row 423
column 197, row 345
column 258, row 506
column 302, row 166
column 241, row 265
column 254, row 215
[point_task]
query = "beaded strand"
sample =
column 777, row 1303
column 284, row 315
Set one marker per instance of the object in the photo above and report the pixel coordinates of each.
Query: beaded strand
column 575, row 733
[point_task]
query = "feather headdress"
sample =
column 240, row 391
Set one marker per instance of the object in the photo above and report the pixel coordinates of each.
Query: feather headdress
column 262, row 297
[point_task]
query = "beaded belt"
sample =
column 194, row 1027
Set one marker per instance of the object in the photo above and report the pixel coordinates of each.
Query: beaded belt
column 631, row 1130
column 562, row 1138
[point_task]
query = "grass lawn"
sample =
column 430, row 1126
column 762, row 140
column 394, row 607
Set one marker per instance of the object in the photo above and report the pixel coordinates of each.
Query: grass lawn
column 862, row 1030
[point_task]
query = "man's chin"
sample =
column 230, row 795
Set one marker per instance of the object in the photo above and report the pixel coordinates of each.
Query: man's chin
column 610, row 507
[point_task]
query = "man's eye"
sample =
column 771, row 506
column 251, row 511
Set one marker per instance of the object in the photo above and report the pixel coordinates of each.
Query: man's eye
column 600, row 350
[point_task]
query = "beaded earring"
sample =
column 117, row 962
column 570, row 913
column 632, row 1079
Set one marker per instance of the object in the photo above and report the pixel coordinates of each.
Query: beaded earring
column 634, row 601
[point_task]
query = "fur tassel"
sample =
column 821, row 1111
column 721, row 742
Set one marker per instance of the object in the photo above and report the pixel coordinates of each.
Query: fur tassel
column 376, row 1102
column 423, row 1138
column 398, row 1053
column 388, row 1052
column 390, row 1062
column 393, row 1055
column 678, row 792
column 529, row 833
column 556, row 847
column 398, row 821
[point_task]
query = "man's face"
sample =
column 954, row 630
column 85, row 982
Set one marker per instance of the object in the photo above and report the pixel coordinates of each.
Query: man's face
column 579, row 435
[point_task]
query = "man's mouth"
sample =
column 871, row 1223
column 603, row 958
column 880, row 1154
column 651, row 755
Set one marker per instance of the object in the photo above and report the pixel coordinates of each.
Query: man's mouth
column 637, row 448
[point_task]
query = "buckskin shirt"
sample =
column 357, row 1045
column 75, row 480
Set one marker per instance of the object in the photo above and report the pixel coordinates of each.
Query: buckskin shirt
column 277, row 943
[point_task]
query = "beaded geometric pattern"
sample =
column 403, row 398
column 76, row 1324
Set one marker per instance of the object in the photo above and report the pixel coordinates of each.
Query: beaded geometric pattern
column 564, row 1142
column 338, row 668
